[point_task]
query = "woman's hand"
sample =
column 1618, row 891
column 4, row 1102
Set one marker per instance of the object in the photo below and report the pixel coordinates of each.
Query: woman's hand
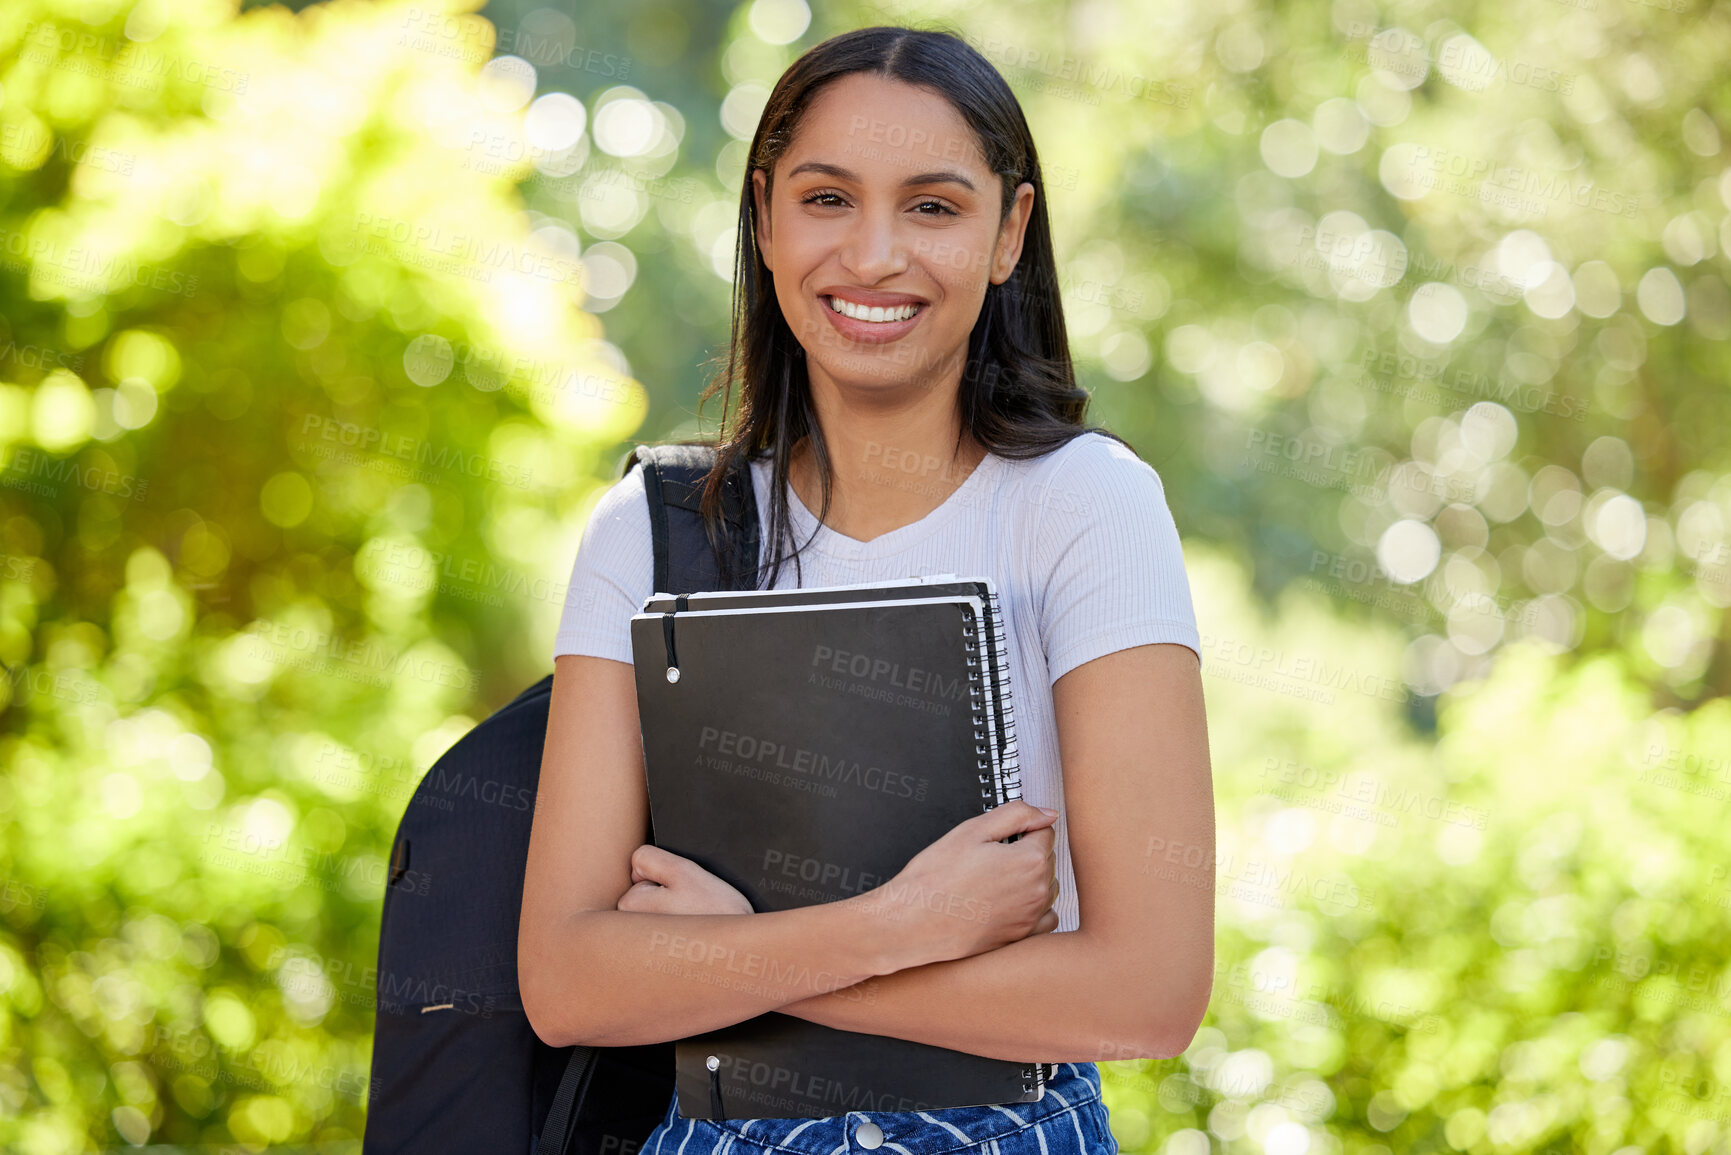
column 665, row 883
column 969, row 892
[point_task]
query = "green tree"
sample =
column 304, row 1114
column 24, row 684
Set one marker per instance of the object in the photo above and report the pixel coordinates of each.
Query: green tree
column 320, row 329
column 296, row 397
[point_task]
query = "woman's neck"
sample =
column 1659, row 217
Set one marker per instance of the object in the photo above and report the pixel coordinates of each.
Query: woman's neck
column 884, row 474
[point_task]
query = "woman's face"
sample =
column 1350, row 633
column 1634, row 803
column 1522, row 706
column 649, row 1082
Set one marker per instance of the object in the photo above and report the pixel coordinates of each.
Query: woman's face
column 884, row 200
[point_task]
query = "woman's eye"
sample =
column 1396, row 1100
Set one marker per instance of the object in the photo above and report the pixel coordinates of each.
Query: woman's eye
column 831, row 200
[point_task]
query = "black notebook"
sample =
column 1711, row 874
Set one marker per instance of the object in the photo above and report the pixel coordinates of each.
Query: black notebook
column 803, row 745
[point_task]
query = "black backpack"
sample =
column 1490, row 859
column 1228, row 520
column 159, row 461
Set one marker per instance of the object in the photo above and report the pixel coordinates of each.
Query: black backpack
column 456, row 1066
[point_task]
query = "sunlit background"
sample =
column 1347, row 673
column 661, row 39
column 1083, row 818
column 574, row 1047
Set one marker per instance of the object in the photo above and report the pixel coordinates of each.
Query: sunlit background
column 321, row 330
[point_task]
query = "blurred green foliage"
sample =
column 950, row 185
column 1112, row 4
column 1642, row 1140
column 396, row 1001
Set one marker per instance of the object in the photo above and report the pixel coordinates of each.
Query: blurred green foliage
column 320, row 329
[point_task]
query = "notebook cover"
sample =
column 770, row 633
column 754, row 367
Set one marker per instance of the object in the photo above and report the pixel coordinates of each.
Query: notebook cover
column 804, row 755
column 1000, row 710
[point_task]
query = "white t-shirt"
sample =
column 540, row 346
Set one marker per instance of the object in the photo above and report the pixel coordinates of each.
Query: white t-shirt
column 1079, row 543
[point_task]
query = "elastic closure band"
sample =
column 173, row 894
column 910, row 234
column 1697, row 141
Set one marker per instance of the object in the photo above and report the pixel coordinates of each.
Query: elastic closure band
column 681, row 603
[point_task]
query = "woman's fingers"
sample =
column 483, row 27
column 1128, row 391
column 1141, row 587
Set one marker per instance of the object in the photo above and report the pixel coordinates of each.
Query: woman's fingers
column 639, row 898
column 654, row 864
column 1013, row 817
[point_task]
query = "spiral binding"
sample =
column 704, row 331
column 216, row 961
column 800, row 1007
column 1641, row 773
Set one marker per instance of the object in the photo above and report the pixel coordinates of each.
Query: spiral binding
column 1001, row 713
column 995, row 731
column 996, row 755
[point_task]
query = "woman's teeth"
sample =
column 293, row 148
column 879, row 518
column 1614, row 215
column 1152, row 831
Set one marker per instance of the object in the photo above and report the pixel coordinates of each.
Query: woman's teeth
column 874, row 312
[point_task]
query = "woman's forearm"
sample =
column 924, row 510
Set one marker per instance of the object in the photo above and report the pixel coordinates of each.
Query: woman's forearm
column 621, row 978
column 1053, row 998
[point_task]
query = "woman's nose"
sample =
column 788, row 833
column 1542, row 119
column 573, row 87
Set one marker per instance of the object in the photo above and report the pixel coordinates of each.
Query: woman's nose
column 875, row 247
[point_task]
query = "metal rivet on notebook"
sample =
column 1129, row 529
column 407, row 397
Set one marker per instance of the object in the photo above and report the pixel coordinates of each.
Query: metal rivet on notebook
column 713, row 1062
column 869, row 1135
column 673, row 673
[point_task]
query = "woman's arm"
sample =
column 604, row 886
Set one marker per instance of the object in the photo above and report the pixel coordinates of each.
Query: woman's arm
column 591, row 973
column 1134, row 980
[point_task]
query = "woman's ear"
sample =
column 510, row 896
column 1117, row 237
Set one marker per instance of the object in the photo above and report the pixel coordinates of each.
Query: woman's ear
column 1010, row 234
column 760, row 200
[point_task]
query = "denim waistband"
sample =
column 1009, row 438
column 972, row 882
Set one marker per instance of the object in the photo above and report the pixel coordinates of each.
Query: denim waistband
column 904, row 1132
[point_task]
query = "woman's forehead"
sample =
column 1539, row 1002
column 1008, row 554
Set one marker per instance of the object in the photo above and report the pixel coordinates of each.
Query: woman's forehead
column 864, row 121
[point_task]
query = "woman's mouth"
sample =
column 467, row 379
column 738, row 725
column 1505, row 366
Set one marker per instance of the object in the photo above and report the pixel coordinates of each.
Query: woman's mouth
column 872, row 324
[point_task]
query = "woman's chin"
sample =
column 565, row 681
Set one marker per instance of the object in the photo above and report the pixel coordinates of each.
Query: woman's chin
column 892, row 367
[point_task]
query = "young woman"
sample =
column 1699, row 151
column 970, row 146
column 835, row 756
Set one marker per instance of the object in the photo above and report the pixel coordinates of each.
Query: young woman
column 901, row 356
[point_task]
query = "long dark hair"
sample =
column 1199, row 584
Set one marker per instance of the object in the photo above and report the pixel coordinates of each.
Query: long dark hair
column 1018, row 393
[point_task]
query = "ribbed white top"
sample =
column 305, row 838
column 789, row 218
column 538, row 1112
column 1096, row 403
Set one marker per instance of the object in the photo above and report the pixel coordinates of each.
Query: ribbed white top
column 1080, row 544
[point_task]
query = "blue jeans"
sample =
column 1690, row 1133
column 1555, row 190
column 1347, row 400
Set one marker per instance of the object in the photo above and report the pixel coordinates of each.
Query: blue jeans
column 1069, row 1119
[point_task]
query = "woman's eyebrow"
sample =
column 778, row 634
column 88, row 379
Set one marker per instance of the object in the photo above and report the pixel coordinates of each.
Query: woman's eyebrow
column 942, row 176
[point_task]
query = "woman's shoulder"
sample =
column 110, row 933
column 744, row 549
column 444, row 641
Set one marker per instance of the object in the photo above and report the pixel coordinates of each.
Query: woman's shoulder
column 1089, row 469
column 620, row 509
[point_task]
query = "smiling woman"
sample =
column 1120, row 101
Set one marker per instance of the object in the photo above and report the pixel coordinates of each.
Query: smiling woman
column 902, row 369
column 830, row 210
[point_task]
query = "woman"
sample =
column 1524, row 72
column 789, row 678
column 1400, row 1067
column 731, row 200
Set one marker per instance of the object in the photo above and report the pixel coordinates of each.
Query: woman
column 903, row 369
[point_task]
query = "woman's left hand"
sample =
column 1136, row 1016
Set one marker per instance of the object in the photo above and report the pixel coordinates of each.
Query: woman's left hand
column 665, row 883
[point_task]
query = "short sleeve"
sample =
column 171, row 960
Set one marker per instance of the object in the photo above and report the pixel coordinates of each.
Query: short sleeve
column 612, row 575
column 1106, row 555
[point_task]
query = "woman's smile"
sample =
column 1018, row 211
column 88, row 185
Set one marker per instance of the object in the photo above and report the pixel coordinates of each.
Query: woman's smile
column 871, row 324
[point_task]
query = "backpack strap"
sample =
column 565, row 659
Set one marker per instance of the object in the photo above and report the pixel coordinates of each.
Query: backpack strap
column 673, row 477
column 562, row 1115
column 673, row 480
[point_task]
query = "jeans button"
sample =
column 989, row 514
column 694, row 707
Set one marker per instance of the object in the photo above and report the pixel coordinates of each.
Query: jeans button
column 869, row 1135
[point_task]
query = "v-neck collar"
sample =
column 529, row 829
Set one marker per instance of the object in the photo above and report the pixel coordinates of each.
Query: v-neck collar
column 835, row 544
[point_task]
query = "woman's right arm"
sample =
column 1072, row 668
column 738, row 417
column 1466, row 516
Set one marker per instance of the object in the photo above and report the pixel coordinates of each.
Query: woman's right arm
column 596, row 975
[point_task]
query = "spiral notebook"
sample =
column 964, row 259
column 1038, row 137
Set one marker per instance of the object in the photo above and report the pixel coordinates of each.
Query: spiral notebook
column 803, row 745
